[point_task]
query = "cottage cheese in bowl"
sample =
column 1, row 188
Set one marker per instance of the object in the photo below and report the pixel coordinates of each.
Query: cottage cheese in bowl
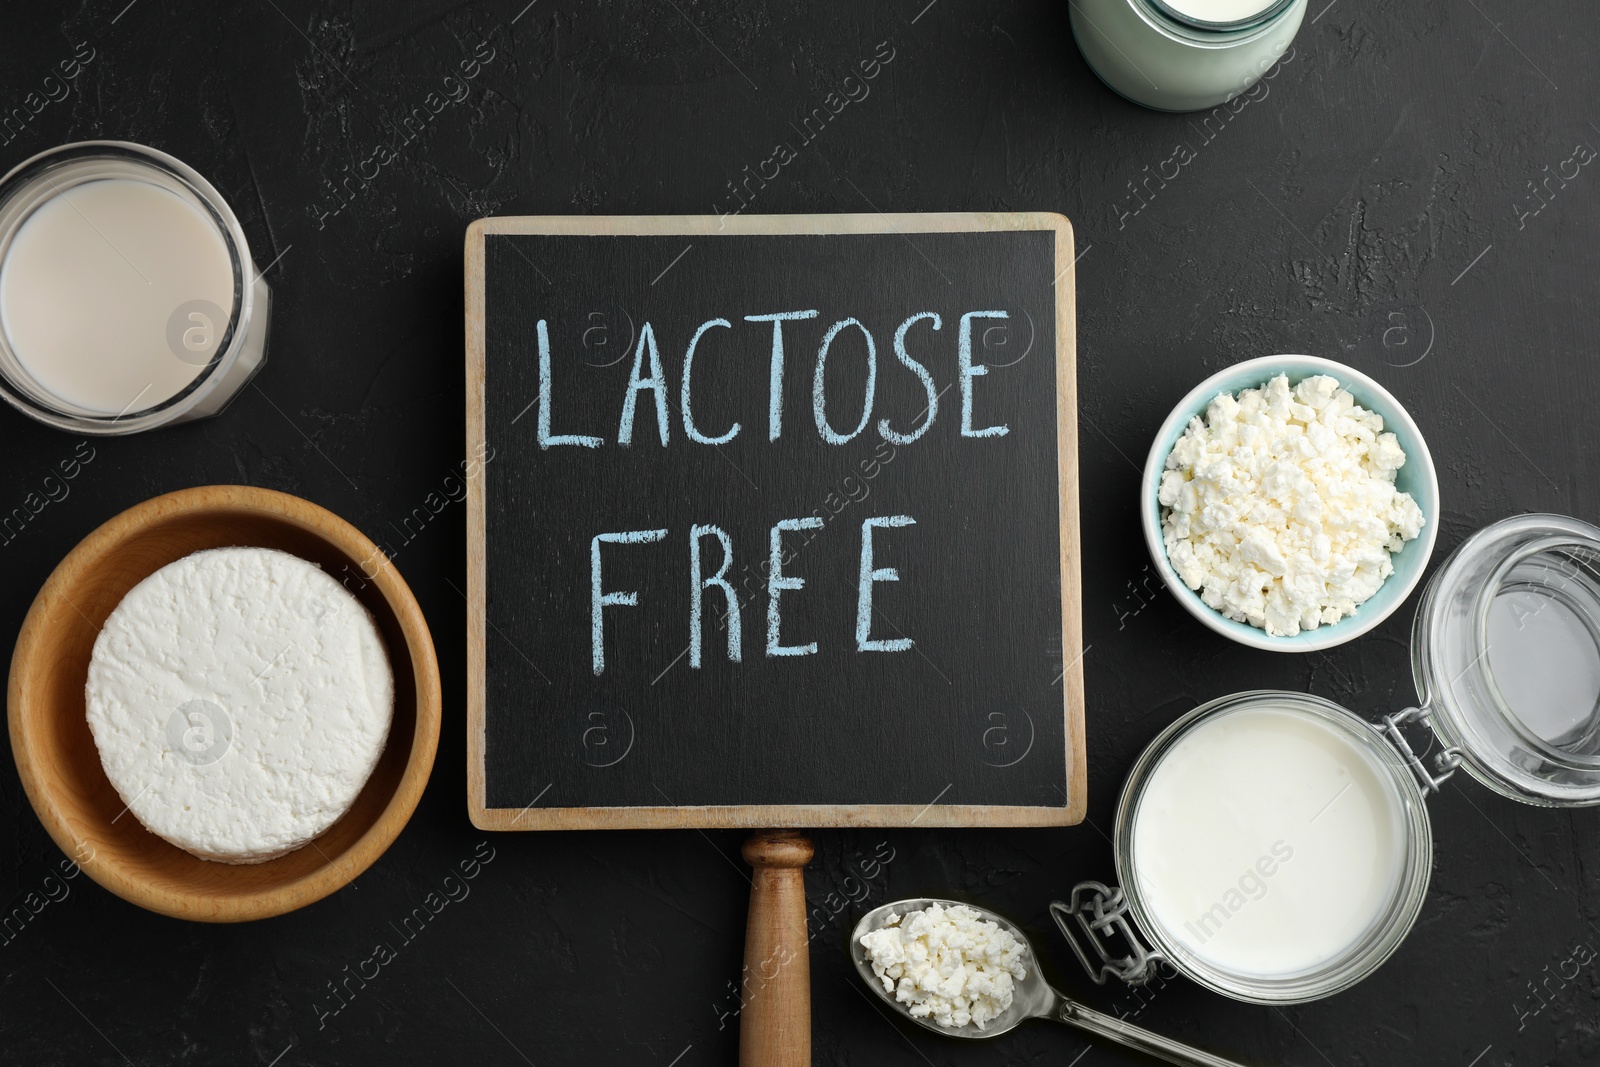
column 1279, row 505
column 239, row 699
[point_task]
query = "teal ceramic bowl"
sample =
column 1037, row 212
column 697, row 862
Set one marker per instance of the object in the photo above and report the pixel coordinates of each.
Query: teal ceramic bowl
column 1417, row 477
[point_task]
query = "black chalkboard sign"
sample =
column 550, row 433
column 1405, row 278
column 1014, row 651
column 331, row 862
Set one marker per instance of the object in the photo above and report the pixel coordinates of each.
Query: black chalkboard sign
column 773, row 521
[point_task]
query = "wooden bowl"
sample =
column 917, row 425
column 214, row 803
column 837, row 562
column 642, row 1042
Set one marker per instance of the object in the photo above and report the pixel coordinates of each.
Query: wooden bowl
column 56, row 755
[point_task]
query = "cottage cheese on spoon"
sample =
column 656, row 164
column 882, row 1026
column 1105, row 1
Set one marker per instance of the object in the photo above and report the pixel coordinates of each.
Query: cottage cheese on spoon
column 1279, row 507
column 948, row 964
column 239, row 699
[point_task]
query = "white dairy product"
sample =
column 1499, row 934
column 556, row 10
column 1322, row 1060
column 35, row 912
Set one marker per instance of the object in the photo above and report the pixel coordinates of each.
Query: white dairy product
column 1279, row 507
column 948, row 964
column 1267, row 842
column 92, row 285
column 1219, row 11
column 239, row 699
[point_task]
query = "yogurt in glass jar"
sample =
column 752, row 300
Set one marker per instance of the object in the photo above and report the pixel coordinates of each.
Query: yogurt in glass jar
column 1275, row 847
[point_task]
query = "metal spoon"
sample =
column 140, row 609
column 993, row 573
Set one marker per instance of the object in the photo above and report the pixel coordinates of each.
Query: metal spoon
column 1033, row 998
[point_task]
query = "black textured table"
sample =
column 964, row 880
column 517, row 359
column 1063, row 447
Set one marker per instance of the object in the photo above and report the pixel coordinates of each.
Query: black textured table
column 1373, row 205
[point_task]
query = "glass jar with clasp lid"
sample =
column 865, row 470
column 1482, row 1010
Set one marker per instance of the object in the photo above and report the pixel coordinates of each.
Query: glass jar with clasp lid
column 1276, row 848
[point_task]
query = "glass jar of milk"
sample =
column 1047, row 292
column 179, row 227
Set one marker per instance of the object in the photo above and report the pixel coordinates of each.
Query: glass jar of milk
column 1183, row 55
column 1276, row 848
column 128, row 298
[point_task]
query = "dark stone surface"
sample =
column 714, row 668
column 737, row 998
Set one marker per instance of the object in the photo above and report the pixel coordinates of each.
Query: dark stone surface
column 1372, row 197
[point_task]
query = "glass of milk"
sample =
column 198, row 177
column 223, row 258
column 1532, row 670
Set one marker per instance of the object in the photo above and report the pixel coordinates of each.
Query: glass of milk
column 128, row 298
column 1275, row 847
column 1183, row 55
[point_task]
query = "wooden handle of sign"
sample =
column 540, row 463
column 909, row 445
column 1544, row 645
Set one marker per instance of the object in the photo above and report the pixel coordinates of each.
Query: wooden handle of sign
column 775, row 1020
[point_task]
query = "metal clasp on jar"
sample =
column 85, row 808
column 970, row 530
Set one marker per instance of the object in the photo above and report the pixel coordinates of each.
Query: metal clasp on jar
column 1101, row 910
column 1444, row 763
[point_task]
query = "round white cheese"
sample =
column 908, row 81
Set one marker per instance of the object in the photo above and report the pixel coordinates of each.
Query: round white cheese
column 239, row 699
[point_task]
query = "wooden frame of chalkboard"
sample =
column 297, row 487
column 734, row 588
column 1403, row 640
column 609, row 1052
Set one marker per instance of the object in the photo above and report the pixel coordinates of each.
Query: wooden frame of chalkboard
column 546, row 812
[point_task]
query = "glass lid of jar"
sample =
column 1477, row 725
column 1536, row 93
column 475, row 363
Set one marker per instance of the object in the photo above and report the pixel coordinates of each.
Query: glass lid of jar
column 1506, row 655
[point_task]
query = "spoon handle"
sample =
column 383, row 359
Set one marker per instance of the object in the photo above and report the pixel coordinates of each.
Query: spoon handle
column 1136, row 1037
